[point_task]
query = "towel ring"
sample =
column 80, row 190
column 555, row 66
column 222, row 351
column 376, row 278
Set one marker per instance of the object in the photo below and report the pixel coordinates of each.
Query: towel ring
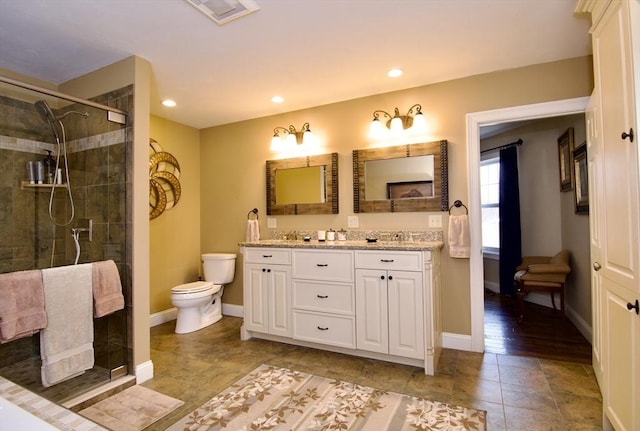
column 458, row 204
column 253, row 211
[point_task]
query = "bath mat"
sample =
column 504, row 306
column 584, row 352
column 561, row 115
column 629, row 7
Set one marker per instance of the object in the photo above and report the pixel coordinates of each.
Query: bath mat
column 271, row 398
column 133, row 409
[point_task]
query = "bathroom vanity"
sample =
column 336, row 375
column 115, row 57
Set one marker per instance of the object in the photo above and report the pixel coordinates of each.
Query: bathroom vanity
column 376, row 300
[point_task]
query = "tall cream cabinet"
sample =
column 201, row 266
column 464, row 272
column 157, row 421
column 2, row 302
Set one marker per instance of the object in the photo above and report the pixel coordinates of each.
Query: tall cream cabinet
column 347, row 297
column 614, row 163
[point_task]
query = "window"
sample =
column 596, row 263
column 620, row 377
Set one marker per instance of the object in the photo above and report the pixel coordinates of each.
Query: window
column 490, row 199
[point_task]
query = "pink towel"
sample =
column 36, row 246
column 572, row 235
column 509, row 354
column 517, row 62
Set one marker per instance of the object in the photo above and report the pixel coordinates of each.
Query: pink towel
column 22, row 310
column 107, row 289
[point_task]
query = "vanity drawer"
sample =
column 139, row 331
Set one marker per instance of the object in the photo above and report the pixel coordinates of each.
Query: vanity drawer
column 327, row 265
column 280, row 256
column 324, row 297
column 385, row 259
column 323, row 328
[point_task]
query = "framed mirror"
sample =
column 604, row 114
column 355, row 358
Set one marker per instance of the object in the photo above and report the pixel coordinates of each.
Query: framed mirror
column 303, row 185
column 404, row 178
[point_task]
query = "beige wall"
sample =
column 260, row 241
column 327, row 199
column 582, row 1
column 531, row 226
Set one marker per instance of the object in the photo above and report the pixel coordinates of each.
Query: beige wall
column 175, row 234
column 233, row 160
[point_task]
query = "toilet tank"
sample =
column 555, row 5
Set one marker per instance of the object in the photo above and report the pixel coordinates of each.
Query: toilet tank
column 219, row 267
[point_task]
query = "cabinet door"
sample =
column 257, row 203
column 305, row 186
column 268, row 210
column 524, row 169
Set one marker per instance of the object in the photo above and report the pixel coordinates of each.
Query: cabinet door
column 279, row 300
column 372, row 330
column 619, row 221
column 255, row 297
column 406, row 314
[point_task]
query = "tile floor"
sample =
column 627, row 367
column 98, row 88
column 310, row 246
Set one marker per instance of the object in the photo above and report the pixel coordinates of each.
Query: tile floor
column 518, row 393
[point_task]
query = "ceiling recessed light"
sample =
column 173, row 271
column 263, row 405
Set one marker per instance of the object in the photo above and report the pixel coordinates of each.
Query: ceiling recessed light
column 169, row 103
column 277, row 99
column 394, row 73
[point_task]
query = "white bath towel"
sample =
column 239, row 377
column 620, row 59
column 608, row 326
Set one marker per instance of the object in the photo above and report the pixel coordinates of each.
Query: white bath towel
column 253, row 230
column 459, row 238
column 66, row 344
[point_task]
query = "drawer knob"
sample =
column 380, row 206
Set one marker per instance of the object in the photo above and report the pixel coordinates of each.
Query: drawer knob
column 322, row 264
column 386, row 260
column 322, row 296
column 322, row 328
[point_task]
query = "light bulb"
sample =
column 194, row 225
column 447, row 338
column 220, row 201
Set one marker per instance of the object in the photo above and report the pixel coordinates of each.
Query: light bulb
column 396, row 126
column 377, row 130
column 276, row 143
column 291, row 140
column 419, row 124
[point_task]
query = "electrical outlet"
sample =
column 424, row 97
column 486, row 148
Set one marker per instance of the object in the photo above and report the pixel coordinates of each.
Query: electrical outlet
column 272, row 223
column 352, row 221
column 435, row 220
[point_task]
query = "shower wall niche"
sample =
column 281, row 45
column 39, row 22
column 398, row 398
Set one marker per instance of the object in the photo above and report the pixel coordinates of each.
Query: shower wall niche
column 99, row 164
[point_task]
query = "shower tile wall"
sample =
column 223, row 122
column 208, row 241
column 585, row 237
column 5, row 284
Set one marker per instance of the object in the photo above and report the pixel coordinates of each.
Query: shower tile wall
column 100, row 171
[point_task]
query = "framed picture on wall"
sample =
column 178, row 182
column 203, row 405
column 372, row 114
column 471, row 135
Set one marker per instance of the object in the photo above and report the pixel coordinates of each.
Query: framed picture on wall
column 565, row 160
column 581, row 188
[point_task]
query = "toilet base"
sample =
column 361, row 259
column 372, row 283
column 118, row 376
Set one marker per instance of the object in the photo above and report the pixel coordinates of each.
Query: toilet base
column 191, row 319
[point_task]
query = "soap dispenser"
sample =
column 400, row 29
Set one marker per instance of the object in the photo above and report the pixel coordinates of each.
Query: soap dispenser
column 49, row 168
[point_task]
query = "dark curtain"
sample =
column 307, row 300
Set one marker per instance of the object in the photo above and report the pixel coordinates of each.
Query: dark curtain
column 510, row 240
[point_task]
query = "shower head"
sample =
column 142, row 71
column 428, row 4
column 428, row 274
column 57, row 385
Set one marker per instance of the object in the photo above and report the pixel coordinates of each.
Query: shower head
column 47, row 115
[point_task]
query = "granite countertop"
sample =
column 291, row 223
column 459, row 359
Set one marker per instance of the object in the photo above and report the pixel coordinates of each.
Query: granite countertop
column 347, row 245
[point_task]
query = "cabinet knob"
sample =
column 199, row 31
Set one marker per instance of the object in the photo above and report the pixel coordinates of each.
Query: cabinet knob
column 635, row 306
column 382, row 277
column 596, row 266
column 629, row 135
column 390, row 277
column 268, row 270
column 264, row 270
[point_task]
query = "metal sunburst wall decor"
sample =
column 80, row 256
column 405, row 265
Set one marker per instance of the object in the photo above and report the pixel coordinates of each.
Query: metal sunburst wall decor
column 164, row 184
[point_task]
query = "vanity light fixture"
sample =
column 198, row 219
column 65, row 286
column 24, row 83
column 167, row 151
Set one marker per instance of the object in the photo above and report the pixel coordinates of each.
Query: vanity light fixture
column 397, row 126
column 288, row 138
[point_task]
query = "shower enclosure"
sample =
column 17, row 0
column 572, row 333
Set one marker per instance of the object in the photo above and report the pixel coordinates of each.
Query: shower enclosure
column 80, row 213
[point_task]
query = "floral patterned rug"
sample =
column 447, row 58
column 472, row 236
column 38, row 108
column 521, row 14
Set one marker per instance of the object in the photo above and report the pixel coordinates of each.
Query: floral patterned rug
column 271, row 398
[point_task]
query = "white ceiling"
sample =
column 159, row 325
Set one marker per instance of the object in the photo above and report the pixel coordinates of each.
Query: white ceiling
column 312, row 52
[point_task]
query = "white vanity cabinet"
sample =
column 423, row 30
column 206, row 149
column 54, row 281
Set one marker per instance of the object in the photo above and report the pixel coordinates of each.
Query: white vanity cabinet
column 390, row 302
column 350, row 298
column 267, row 290
column 323, row 297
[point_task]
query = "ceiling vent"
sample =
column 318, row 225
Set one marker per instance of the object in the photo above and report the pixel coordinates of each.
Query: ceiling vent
column 223, row 11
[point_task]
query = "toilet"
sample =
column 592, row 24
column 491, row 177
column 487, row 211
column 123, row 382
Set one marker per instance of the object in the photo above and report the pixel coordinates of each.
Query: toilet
column 199, row 303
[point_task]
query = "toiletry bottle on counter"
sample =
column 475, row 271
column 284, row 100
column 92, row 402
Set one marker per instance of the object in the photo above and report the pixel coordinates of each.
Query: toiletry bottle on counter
column 331, row 235
column 321, row 235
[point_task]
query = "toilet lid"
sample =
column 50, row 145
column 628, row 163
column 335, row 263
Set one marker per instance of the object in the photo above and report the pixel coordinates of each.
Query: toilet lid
column 195, row 287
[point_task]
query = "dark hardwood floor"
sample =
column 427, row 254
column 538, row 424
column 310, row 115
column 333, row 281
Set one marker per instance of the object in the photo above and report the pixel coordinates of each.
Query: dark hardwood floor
column 544, row 333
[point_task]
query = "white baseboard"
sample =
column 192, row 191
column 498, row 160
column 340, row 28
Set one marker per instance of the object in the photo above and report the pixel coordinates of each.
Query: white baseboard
column 456, row 341
column 171, row 313
column 581, row 324
column 163, row 316
column 144, row 372
column 232, row 310
column 492, row 286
